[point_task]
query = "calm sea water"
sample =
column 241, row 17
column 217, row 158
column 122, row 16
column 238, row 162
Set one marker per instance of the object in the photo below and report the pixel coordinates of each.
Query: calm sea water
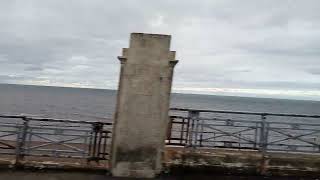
column 93, row 104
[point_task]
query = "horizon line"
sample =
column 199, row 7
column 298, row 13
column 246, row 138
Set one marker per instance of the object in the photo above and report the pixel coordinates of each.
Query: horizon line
column 183, row 93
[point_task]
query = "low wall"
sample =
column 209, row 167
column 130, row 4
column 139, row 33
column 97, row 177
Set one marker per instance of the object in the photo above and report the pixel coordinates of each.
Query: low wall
column 78, row 175
column 31, row 175
column 183, row 163
column 242, row 162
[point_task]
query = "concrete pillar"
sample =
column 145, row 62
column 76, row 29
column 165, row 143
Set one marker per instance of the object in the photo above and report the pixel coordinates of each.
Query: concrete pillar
column 141, row 117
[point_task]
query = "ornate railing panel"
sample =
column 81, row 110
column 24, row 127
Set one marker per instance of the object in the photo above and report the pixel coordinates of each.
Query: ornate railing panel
column 23, row 136
column 244, row 130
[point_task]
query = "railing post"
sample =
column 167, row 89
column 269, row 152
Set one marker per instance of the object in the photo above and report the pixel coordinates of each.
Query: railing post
column 193, row 128
column 266, row 136
column 94, row 147
column 256, row 136
column 201, row 132
column 264, row 143
column 169, row 130
column 22, row 135
column 262, row 133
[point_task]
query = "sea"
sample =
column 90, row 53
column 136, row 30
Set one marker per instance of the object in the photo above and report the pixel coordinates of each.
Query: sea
column 99, row 104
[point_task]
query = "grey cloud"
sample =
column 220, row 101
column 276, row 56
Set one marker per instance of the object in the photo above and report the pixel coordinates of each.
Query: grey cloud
column 270, row 44
column 10, row 79
column 33, row 68
column 314, row 71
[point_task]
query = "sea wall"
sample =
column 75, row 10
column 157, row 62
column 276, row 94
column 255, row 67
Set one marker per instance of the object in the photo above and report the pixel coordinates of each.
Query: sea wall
column 242, row 162
column 183, row 163
column 31, row 175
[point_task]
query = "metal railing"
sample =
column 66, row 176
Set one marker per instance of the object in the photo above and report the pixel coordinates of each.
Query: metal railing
column 244, row 130
column 23, row 136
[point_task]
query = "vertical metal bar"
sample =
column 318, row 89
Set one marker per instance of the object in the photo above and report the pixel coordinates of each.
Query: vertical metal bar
column 21, row 141
column 17, row 148
column 193, row 116
column 202, row 129
column 196, row 118
column 29, row 140
column 191, row 133
column 85, row 144
column 266, row 136
column 90, row 146
column 104, row 144
column 255, row 136
column 95, row 131
column 190, row 128
column 187, row 131
column 99, row 144
column 56, row 133
column 93, row 142
column 182, row 131
column 239, row 141
column 263, row 141
column 262, row 133
column 169, row 131
column 214, row 139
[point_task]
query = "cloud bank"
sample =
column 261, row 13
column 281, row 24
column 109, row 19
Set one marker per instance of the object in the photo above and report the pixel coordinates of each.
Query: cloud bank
column 268, row 48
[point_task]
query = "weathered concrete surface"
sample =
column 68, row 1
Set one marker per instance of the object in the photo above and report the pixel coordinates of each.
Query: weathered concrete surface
column 38, row 162
column 242, row 162
column 55, row 175
column 15, row 175
column 184, row 164
column 141, row 116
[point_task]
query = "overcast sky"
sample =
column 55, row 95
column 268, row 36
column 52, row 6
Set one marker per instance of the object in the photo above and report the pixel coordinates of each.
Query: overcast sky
column 265, row 48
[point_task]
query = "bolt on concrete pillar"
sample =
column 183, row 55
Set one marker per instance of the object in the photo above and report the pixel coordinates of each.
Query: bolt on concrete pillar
column 141, row 116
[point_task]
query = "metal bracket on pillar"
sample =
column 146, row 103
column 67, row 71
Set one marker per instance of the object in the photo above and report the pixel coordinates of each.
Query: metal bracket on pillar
column 173, row 63
column 122, row 59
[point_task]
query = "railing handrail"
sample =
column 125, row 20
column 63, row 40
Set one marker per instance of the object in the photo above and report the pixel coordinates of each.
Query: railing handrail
column 250, row 121
column 246, row 113
column 23, row 117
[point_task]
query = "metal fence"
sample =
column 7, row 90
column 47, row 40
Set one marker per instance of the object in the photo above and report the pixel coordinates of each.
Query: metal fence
column 22, row 136
column 244, row 130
